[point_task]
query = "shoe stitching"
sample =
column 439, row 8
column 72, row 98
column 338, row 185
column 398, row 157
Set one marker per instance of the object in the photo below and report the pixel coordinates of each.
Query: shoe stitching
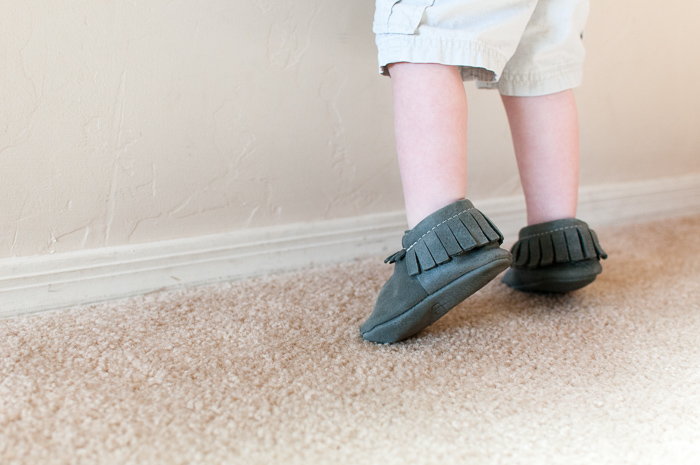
column 438, row 225
column 548, row 232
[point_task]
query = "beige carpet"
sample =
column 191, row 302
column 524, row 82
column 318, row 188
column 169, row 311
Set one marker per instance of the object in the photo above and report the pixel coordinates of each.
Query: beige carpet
column 273, row 371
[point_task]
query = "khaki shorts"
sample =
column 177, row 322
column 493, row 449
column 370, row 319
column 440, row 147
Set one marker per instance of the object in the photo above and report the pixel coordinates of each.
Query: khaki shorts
column 520, row 47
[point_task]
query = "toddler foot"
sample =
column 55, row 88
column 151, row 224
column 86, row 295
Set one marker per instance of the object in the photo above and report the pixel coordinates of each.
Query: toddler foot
column 556, row 256
column 447, row 257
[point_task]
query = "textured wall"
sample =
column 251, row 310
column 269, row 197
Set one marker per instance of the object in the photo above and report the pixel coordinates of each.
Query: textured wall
column 125, row 122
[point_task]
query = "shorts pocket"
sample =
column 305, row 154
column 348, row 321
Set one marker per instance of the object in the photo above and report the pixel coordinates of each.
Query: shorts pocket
column 399, row 16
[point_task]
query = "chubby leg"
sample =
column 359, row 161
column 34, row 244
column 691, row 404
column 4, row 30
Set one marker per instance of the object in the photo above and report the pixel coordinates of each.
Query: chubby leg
column 451, row 249
column 430, row 122
column 556, row 252
column 546, row 140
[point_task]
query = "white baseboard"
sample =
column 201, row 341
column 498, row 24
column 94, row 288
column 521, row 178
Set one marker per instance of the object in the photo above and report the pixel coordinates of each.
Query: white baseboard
column 49, row 282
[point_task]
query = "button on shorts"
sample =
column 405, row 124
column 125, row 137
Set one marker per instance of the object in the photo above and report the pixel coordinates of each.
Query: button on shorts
column 520, row 47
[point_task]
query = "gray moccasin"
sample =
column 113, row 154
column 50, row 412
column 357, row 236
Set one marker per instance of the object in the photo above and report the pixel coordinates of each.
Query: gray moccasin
column 557, row 256
column 447, row 257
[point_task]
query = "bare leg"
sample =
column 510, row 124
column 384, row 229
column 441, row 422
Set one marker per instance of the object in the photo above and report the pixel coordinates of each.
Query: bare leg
column 430, row 122
column 546, row 140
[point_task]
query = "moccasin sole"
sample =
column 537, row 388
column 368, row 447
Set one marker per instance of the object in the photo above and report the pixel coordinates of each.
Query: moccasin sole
column 436, row 305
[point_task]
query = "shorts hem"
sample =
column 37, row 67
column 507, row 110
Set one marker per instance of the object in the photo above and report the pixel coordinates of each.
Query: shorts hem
column 537, row 83
column 477, row 61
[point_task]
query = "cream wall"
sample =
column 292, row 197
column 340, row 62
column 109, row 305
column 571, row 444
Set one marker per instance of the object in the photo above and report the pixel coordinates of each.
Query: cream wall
column 123, row 123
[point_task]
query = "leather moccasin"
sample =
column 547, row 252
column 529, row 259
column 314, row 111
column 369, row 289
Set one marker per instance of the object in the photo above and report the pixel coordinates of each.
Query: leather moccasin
column 557, row 256
column 447, row 257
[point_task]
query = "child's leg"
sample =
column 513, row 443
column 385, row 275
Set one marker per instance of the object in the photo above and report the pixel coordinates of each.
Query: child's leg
column 451, row 250
column 546, row 140
column 430, row 121
column 556, row 252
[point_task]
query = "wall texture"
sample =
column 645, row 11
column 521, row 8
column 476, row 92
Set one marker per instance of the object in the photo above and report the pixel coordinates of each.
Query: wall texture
column 128, row 122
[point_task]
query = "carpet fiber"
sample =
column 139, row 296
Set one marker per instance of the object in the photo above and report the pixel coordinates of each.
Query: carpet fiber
column 273, row 370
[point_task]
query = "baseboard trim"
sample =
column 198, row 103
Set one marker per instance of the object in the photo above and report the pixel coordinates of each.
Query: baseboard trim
column 41, row 283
